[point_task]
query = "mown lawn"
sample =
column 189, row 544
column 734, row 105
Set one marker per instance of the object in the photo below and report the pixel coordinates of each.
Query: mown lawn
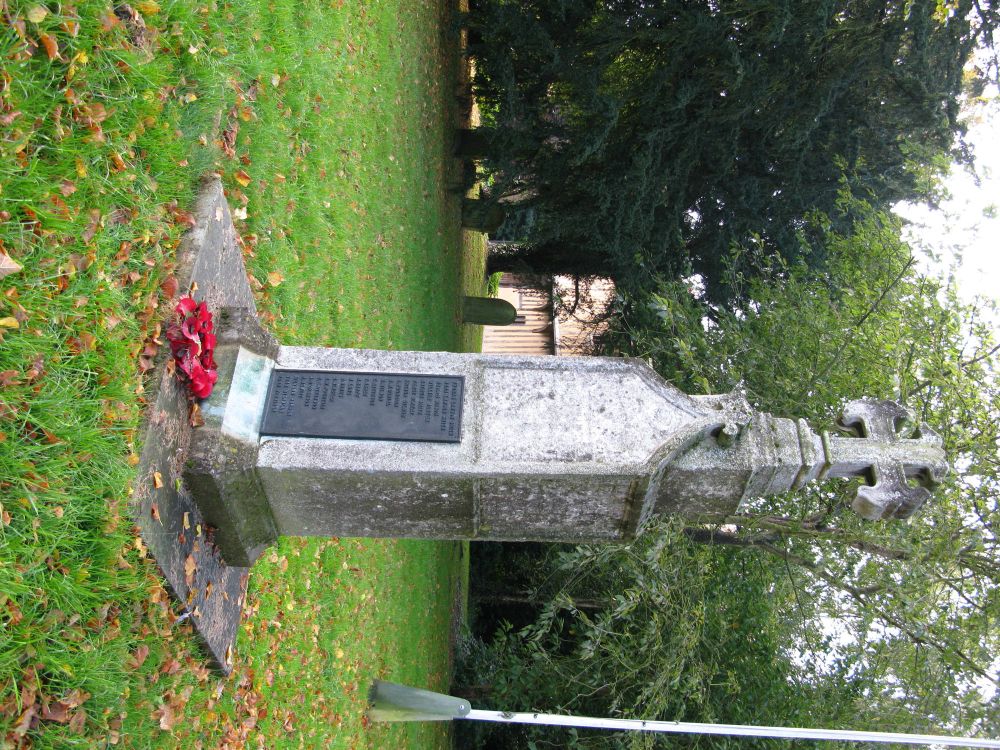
column 331, row 126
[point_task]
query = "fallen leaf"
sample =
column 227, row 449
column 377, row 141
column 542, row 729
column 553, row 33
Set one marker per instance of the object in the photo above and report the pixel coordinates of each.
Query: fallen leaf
column 92, row 227
column 195, row 419
column 166, row 716
column 137, row 659
column 169, row 287
column 76, row 724
column 9, row 323
column 274, row 278
column 187, row 520
column 58, row 712
column 157, row 480
column 50, row 44
column 67, row 188
column 25, row 720
column 242, row 177
column 148, row 7
column 37, row 368
column 37, row 13
column 154, row 511
column 190, row 566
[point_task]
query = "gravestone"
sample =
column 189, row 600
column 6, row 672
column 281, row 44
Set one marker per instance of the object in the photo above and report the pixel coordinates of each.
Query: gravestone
column 308, row 441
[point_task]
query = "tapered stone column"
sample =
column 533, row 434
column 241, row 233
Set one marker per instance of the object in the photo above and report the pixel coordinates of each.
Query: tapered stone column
column 520, row 448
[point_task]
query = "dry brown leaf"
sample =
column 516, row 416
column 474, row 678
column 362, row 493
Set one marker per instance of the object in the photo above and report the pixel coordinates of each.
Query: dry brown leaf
column 37, row 368
column 169, row 287
column 157, row 480
column 58, row 712
column 76, row 724
column 92, row 227
column 154, row 511
column 141, row 652
column 67, row 188
column 195, row 418
column 274, row 278
column 190, row 566
column 242, row 177
column 50, row 44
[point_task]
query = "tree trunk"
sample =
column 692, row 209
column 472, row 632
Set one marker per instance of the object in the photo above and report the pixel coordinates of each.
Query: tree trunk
column 481, row 215
column 474, row 143
column 568, row 258
column 589, row 605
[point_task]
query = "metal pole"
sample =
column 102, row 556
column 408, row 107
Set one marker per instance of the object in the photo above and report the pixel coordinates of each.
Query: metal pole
column 684, row 727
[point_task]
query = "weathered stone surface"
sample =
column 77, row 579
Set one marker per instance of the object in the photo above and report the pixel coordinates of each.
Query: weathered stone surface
column 172, row 527
column 551, row 449
column 221, row 460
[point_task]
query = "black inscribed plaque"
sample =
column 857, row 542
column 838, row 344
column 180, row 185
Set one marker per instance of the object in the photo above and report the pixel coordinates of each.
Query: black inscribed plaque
column 367, row 405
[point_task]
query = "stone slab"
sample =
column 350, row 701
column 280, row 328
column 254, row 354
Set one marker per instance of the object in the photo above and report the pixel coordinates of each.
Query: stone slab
column 210, row 592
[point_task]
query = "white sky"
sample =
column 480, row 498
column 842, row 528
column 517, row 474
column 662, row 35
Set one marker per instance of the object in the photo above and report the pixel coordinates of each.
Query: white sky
column 960, row 233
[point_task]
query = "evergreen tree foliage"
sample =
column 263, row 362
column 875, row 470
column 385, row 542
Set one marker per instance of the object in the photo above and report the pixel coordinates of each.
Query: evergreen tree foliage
column 649, row 137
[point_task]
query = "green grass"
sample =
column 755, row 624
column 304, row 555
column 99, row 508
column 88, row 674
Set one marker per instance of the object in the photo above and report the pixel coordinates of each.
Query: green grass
column 351, row 232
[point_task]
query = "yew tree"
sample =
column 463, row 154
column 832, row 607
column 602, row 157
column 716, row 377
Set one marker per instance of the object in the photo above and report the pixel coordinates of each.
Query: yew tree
column 646, row 138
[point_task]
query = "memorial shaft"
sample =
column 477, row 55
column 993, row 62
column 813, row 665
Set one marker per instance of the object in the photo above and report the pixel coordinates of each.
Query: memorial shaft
column 310, row 441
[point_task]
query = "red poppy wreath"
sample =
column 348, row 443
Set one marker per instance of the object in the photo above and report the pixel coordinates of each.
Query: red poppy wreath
column 192, row 345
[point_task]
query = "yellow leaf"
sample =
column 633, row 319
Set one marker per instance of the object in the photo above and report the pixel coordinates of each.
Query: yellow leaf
column 274, row 278
column 148, row 7
column 157, row 479
column 187, row 521
column 37, row 13
column 9, row 323
column 340, row 653
column 242, row 177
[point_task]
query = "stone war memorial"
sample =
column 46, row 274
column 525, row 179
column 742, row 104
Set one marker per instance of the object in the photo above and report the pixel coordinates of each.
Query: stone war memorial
column 308, row 441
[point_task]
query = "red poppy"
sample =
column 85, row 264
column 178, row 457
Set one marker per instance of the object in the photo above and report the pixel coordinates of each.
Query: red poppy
column 192, row 344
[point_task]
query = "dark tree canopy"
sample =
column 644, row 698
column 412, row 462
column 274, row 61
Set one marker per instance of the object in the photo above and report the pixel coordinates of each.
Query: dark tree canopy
column 649, row 137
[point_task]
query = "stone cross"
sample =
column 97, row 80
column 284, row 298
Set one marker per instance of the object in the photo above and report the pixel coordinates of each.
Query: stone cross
column 306, row 441
column 905, row 452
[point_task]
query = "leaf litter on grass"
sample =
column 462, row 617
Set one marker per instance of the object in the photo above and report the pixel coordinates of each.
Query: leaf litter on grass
column 107, row 116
